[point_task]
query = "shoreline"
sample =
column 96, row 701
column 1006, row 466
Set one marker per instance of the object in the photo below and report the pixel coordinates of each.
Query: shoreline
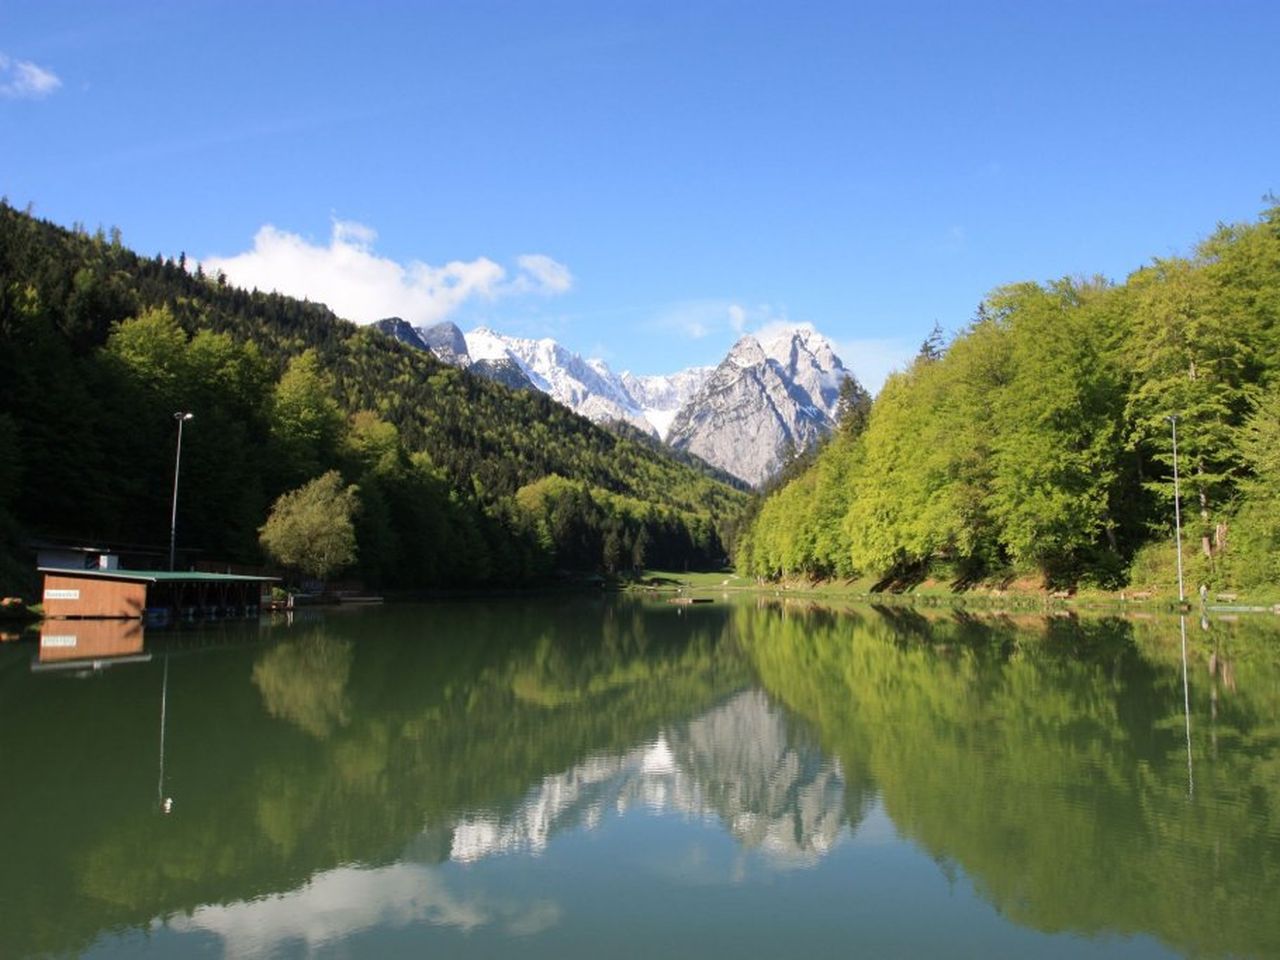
column 932, row 593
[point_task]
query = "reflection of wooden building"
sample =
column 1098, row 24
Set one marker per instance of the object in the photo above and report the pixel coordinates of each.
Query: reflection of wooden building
column 155, row 594
column 90, row 643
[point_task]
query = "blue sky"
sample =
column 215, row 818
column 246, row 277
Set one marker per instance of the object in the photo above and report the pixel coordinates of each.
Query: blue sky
column 644, row 180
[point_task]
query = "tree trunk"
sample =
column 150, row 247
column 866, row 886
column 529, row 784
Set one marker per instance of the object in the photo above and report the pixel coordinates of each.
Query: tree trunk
column 1205, row 543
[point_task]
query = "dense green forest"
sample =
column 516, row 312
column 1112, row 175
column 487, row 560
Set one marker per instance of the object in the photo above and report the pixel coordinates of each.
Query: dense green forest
column 1038, row 442
column 460, row 480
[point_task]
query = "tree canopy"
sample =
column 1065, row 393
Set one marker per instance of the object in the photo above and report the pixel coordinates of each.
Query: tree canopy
column 99, row 346
column 1038, row 441
column 310, row 528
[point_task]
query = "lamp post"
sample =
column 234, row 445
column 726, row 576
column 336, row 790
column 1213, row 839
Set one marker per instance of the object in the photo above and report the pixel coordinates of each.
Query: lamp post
column 1177, row 507
column 177, row 460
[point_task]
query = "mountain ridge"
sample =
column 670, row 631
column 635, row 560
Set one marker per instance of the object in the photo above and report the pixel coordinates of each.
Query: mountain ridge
column 774, row 393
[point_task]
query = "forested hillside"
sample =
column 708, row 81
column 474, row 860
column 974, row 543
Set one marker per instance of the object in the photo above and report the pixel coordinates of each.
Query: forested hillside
column 1038, row 442
column 461, row 480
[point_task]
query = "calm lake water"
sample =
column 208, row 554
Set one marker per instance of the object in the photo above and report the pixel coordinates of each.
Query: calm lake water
column 595, row 777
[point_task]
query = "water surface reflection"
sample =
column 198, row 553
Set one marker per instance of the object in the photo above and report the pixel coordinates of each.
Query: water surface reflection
column 613, row 776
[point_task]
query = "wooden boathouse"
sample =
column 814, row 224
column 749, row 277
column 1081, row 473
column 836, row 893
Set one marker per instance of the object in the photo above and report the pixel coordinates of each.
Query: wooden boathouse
column 157, row 596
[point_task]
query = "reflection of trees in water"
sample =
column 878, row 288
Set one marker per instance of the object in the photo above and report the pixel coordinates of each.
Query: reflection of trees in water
column 305, row 682
column 1047, row 759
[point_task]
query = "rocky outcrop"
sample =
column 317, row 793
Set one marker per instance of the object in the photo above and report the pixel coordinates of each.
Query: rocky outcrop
column 446, row 341
column 762, row 403
column 402, row 330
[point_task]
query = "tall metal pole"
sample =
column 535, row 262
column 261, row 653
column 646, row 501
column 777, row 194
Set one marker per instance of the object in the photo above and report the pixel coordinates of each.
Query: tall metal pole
column 1177, row 508
column 177, row 461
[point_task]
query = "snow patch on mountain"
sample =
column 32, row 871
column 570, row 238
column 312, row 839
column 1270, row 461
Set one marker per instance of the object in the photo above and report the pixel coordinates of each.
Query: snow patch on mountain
column 588, row 386
column 775, row 392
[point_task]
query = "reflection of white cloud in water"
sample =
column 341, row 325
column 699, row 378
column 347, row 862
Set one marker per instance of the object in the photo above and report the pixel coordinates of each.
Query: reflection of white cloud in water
column 345, row 901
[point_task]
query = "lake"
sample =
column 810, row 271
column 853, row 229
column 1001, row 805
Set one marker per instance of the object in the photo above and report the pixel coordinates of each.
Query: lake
column 620, row 777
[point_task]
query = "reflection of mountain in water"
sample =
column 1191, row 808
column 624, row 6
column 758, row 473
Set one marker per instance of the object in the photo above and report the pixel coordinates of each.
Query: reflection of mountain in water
column 740, row 762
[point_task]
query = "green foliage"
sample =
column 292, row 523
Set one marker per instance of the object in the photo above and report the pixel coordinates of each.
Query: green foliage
column 305, row 419
column 589, row 528
column 1039, row 441
column 1057, row 426
column 854, row 407
column 310, row 529
column 1257, row 537
column 99, row 347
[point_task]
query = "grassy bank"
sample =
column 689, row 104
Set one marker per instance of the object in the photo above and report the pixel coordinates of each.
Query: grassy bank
column 1023, row 593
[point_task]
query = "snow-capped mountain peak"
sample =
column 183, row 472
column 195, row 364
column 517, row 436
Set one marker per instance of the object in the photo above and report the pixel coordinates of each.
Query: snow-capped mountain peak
column 773, row 392
column 762, row 401
column 588, row 386
column 484, row 344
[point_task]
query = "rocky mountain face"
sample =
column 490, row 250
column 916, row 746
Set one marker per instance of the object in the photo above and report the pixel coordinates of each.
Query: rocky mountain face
column 446, row 341
column 768, row 397
column 763, row 401
column 403, row 331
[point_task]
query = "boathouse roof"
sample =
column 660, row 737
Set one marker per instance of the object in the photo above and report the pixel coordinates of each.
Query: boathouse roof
column 156, row 576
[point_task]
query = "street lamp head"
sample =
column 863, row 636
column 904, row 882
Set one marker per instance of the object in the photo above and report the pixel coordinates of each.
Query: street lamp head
column 183, row 416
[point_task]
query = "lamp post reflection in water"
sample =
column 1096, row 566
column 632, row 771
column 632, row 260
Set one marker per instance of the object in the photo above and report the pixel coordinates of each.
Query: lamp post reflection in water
column 1186, row 706
column 166, row 803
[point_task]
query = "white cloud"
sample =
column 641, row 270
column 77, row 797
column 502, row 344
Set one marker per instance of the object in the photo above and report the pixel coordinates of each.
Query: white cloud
column 24, row 80
column 540, row 274
column 357, row 283
column 696, row 319
column 779, row 327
